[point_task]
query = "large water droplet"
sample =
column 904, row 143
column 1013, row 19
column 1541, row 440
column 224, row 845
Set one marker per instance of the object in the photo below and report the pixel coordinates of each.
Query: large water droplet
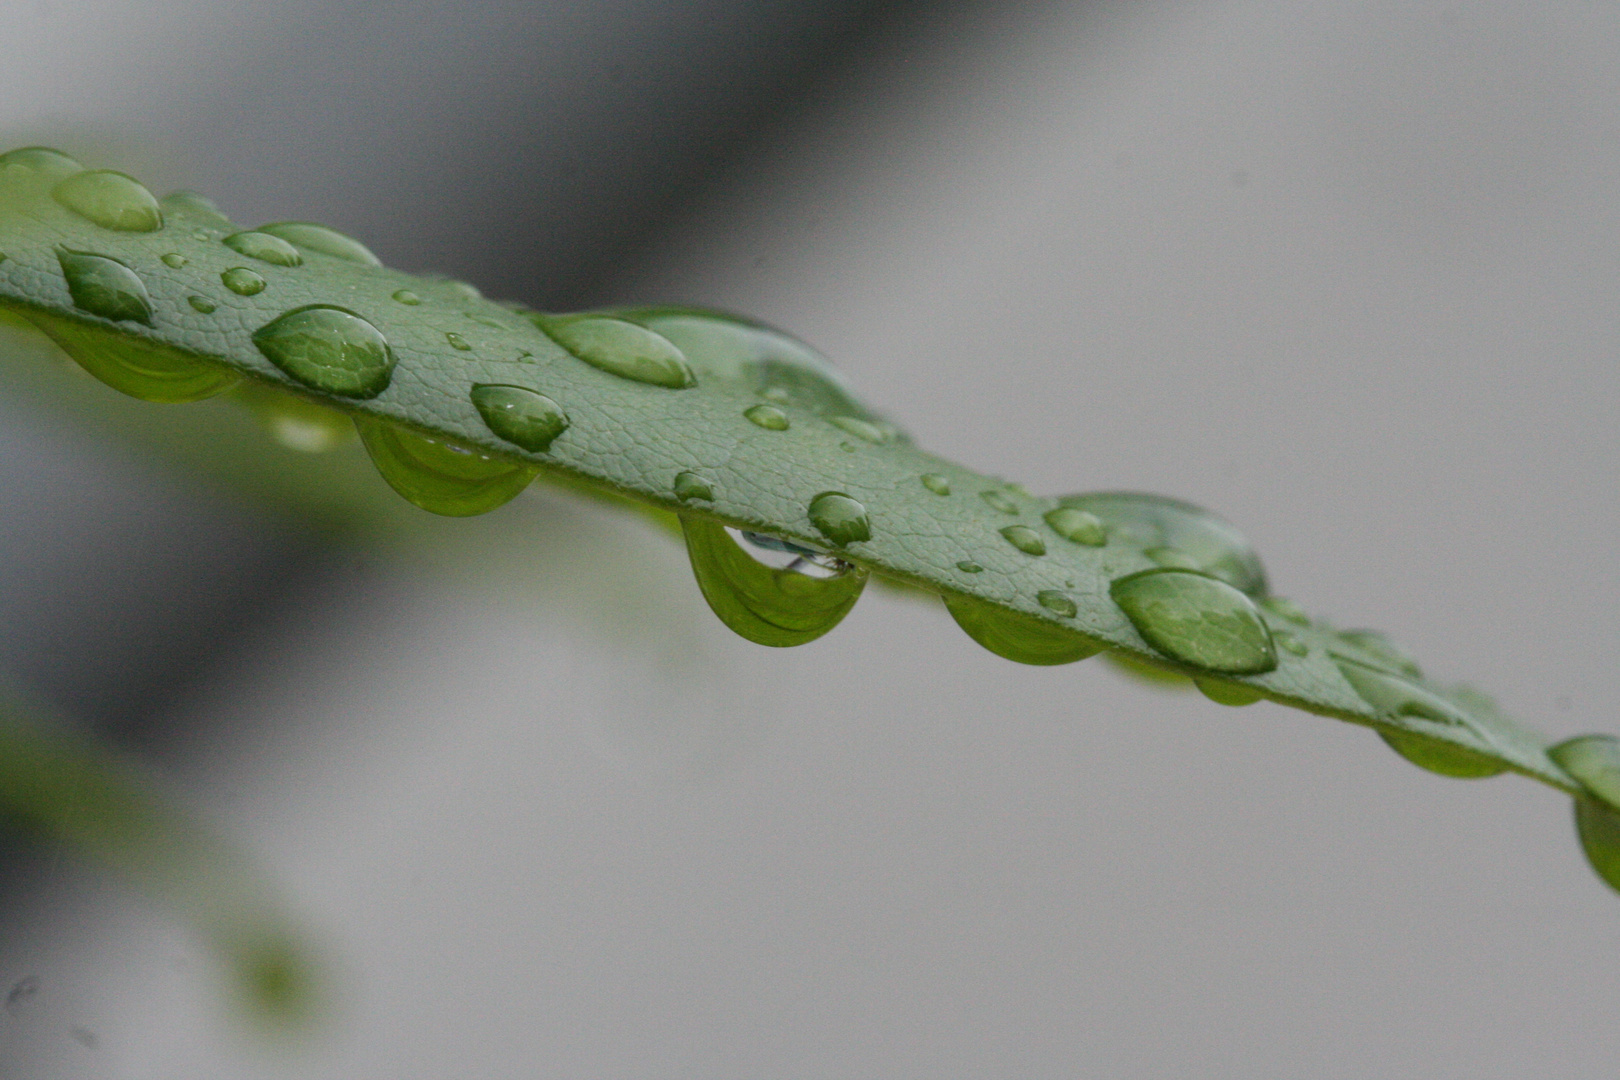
column 1391, row 696
column 779, row 602
column 1197, row 620
column 242, row 281
column 264, row 247
column 42, row 161
column 1077, row 526
column 105, row 287
column 192, row 205
column 622, row 348
column 142, row 369
column 1439, row 756
column 998, row 500
column 294, row 421
column 1594, row 760
column 689, row 486
column 768, row 417
column 840, row 518
column 1223, row 692
column 329, row 349
column 1598, row 826
column 1025, row 539
column 1016, row 635
column 437, row 475
column 321, row 238
column 523, row 417
column 111, row 200
column 935, row 482
column 1153, row 521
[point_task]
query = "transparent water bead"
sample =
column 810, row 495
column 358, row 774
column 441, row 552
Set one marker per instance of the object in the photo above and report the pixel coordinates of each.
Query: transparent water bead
column 1223, row 692
column 295, row 421
column 1025, row 539
column 105, row 287
column 437, row 475
column 621, row 348
column 523, row 417
column 406, row 297
column 1077, row 526
column 768, row 417
column 1393, row 697
column 690, row 486
column 1198, row 620
column 192, row 205
column 42, row 161
column 139, row 368
column 1598, row 826
column 999, row 501
column 1058, row 603
column 324, row 239
column 1017, row 636
column 457, row 342
column 329, row 349
column 174, row 260
column 242, row 281
column 202, row 305
column 770, row 591
column 861, row 429
column 840, row 518
column 264, row 247
column 1594, row 760
column 936, row 482
column 111, row 200
column 1212, row 544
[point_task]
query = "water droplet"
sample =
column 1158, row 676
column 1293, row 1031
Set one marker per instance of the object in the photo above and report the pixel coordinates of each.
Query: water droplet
column 1153, row 521
column 1380, row 652
column 242, row 281
column 264, row 247
column 202, row 305
column 405, row 296
column 1057, row 603
column 327, row 241
column 329, row 349
column 1594, row 760
column 111, row 200
column 623, row 349
column 1174, row 558
column 861, row 429
column 1025, row 539
column 1017, row 636
column 768, row 417
column 295, row 421
column 139, row 368
column 1077, row 526
column 1598, row 826
column 779, row 605
column 689, row 485
column 938, row 484
column 1222, row 692
column 1439, row 756
column 456, row 341
column 191, row 204
column 105, row 287
column 464, row 289
column 521, row 416
column 999, row 501
column 840, row 518
column 1393, row 697
column 1289, row 643
column 42, row 161
column 174, row 260
column 968, row 567
column 437, row 475
column 201, row 234
column 1286, row 609
column 1197, row 620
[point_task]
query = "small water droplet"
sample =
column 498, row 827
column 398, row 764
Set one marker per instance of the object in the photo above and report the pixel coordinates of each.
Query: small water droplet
column 42, row 161
column 1598, row 826
column 937, row 483
column 190, row 204
column 623, row 349
column 105, row 287
column 1286, row 609
column 997, row 500
column 264, row 247
column 405, row 296
column 456, row 341
column 1381, row 652
column 242, row 281
column 768, row 417
column 968, row 567
column 438, row 475
column 1153, row 521
column 111, row 200
column 329, row 349
column 143, row 369
column 1017, row 636
column 523, row 417
column 1025, row 539
column 1077, row 526
column 295, row 421
column 1057, row 603
column 321, row 238
column 1289, row 643
column 201, row 234
column 840, row 518
column 174, row 260
column 689, row 485
column 861, row 429
column 1222, row 692
column 202, row 305
column 1197, row 620
column 1594, row 760
column 789, row 599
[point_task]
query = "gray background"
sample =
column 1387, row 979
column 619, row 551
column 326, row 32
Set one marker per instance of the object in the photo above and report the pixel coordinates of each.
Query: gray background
column 1344, row 272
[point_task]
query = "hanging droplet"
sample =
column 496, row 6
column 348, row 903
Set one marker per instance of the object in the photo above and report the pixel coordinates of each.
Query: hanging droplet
column 1017, row 636
column 1223, row 692
column 623, row 349
column 768, row 417
column 242, row 281
column 1392, row 697
column 190, row 204
column 1198, row 620
column 1286, row 609
column 521, row 416
column 456, row 341
column 784, row 601
column 1025, row 539
column 264, row 247
column 105, row 287
column 967, row 566
column 437, row 475
column 295, row 421
column 1439, row 756
column 1077, row 526
column 174, row 260
column 1289, row 643
column 1594, row 760
column 840, row 518
column 139, row 368
column 328, row 349
column 1153, row 521
column 42, row 161
column 1056, row 602
column 689, row 486
column 861, row 429
column 405, row 296
column 327, row 241
column 997, row 500
column 111, row 200
column 1381, row 652
column 1598, row 826
column 939, row 485
column 202, row 305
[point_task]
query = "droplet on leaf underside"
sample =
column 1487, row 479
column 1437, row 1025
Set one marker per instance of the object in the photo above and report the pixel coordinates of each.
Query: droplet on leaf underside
column 264, row 247
column 770, row 591
column 1017, row 636
column 1224, row 692
column 1393, row 697
column 523, row 417
column 1597, row 824
column 294, row 421
column 140, row 368
column 840, row 518
column 1198, row 620
column 324, row 239
column 1594, row 760
column 621, row 348
column 437, row 475
column 1213, row 544
column 329, row 349
column 111, row 200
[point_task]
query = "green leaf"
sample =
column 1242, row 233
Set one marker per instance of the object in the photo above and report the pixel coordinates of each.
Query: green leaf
column 728, row 422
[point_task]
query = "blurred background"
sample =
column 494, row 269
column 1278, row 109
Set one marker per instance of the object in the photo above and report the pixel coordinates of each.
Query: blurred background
column 1344, row 272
